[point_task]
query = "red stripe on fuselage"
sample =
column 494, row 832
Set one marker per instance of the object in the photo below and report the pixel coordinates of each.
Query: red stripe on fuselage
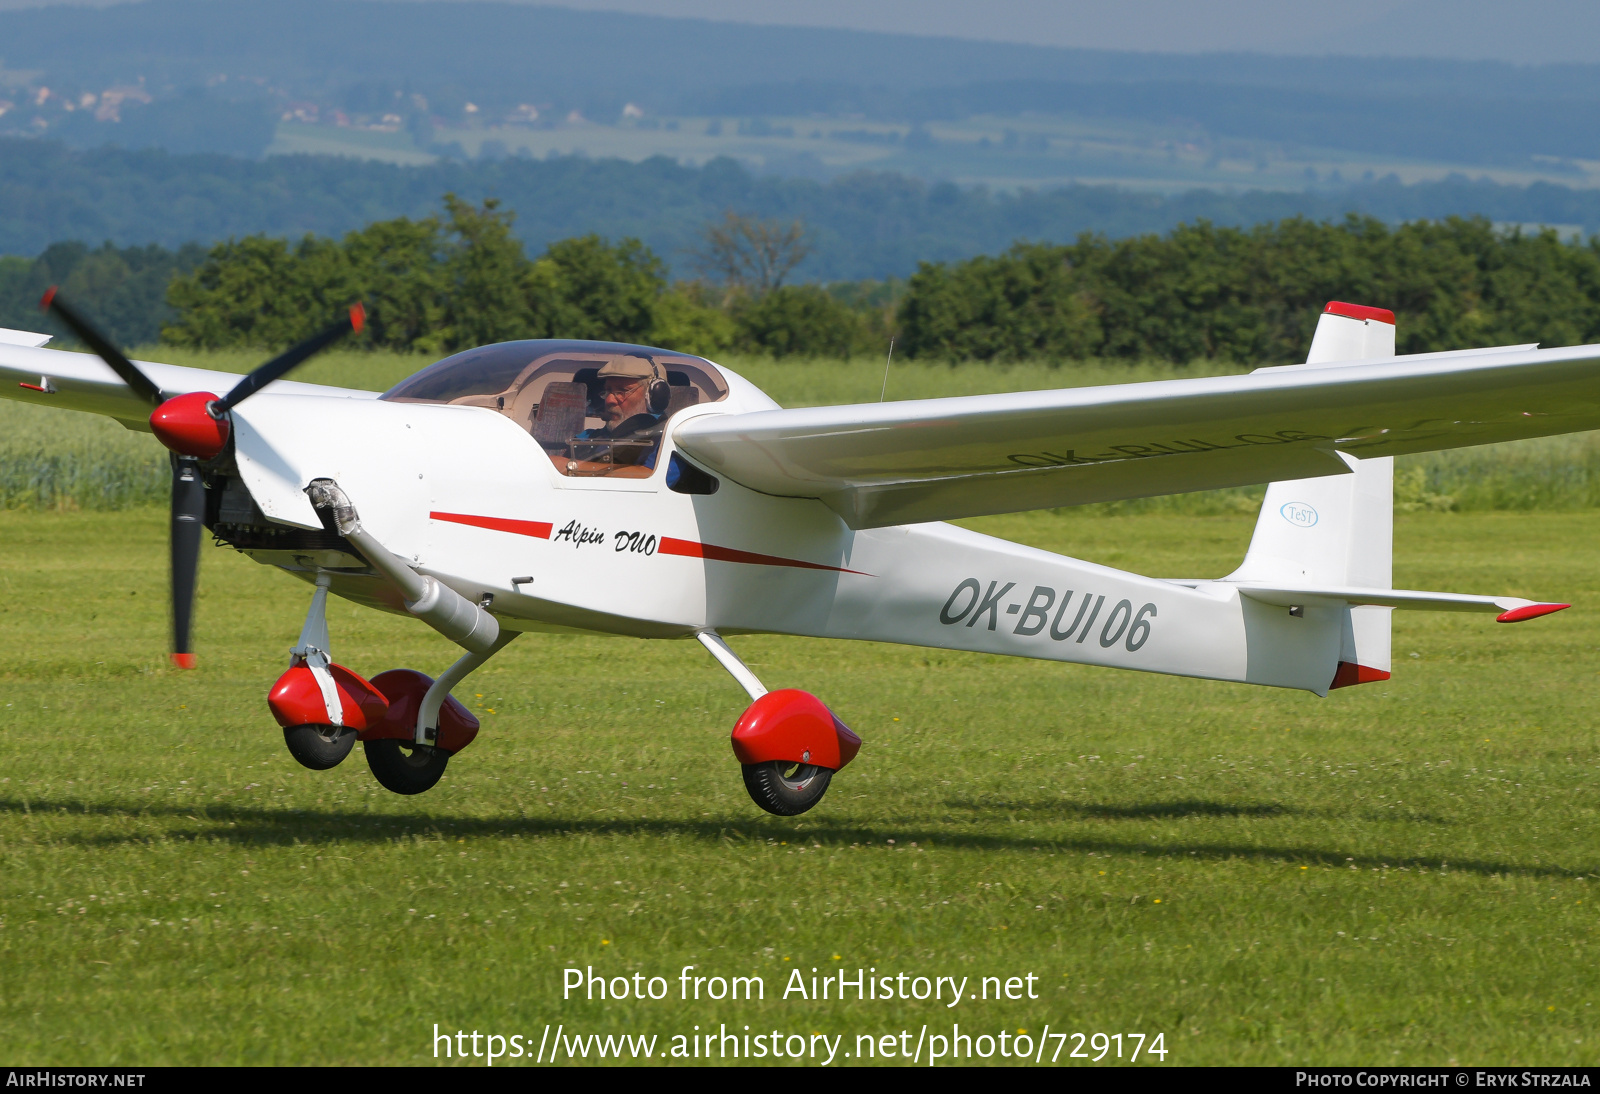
column 538, row 529
column 690, row 549
column 687, row 548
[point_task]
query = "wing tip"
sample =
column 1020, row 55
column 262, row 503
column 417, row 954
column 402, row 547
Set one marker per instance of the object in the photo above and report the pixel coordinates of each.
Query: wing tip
column 1529, row 611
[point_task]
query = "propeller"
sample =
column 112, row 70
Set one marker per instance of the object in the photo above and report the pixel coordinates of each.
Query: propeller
column 195, row 426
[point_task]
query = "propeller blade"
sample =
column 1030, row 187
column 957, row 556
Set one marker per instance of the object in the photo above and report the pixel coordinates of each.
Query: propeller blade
column 188, row 516
column 141, row 384
column 289, row 358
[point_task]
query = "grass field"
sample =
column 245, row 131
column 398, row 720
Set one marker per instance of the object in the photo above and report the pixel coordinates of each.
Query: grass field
column 1401, row 873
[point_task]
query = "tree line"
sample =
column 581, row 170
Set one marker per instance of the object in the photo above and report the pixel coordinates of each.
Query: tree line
column 461, row 277
column 1253, row 294
column 443, row 283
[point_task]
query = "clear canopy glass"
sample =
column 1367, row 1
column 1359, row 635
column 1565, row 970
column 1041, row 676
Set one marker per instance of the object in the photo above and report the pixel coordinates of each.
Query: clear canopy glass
column 552, row 389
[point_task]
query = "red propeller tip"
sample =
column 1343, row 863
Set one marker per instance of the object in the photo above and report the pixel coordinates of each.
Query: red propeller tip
column 47, row 299
column 183, row 660
column 358, row 317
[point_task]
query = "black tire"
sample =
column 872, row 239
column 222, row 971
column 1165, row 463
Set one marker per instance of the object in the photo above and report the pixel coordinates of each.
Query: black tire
column 404, row 767
column 784, row 788
column 319, row 747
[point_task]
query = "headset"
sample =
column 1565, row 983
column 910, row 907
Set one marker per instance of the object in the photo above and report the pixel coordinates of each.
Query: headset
column 660, row 391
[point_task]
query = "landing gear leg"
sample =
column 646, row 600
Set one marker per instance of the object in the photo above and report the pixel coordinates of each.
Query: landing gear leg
column 410, row 766
column 466, row 665
column 788, row 743
column 319, row 746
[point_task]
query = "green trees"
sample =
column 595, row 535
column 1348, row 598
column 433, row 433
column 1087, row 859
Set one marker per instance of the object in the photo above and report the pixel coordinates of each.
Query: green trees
column 121, row 290
column 1252, row 295
column 433, row 285
column 746, row 262
column 799, row 321
column 592, row 289
column 1032, row 301
column 461, row 278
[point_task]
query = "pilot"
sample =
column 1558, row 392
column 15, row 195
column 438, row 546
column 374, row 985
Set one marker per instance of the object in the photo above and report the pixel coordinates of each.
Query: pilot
column 635, row 395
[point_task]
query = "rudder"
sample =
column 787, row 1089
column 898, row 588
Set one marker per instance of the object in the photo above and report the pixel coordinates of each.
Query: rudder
column 1337, row 530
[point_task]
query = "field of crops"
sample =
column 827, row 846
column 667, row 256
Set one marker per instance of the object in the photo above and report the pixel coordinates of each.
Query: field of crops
column 1400, row 873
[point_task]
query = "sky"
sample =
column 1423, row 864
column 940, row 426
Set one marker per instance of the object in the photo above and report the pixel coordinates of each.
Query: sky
column 1527, row 31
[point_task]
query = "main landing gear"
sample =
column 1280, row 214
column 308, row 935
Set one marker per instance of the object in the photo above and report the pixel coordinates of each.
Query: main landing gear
column 788, row 743
column 408, row 723
column 784, row 788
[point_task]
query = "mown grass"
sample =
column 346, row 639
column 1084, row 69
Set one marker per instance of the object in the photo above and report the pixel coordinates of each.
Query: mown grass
column 1402, row 873
column 56, row 460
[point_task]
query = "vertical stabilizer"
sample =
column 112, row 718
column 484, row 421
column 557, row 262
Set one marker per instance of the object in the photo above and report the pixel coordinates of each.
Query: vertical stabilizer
column 1337, row 530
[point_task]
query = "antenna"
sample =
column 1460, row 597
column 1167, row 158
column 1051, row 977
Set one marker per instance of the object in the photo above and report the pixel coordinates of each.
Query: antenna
column 886, row 365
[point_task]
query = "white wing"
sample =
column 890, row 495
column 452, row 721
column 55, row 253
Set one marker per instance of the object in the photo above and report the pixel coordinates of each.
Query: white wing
column 81, row 381
column 22, row 337
column 934, row 459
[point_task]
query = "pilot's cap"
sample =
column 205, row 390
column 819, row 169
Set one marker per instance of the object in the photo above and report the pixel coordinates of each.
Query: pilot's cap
column 629, row 368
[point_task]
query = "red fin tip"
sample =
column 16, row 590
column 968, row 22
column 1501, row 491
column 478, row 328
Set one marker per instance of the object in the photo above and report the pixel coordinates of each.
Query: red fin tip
column 1359, row 311
column 1349, row 674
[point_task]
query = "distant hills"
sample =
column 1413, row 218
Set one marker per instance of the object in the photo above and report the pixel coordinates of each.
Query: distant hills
column 150, row 122
column 198, row 76
column 864, row 225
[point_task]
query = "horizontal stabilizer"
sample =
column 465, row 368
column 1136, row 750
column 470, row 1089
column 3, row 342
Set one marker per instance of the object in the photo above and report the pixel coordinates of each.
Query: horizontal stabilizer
column 1508, row 609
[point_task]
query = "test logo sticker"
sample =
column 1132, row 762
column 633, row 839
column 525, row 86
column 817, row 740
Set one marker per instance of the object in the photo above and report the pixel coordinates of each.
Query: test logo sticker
column 1298, row 513
column 971, row 604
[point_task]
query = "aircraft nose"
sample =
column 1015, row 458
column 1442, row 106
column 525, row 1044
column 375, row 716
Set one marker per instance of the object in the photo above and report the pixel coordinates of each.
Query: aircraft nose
column 185, row 425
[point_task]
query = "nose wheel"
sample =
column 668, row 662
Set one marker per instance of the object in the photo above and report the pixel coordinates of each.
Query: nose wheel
column 319, row 747
column 784, row 788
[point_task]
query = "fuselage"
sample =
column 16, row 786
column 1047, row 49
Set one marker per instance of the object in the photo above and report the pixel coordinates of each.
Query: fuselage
column 471, row 497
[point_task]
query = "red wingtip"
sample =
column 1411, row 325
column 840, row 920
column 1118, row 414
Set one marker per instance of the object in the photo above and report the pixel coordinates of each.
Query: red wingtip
column 47, row 299
column 183, row 660
column 358, row 317
column 1531, row 611
column 1359, row 311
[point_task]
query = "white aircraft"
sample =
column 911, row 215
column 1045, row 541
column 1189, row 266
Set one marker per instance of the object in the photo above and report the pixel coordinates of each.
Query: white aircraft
column 599, row 488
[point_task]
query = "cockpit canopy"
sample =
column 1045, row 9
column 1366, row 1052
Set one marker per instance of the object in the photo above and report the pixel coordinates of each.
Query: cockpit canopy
column 553, row 390
column 512, row 377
